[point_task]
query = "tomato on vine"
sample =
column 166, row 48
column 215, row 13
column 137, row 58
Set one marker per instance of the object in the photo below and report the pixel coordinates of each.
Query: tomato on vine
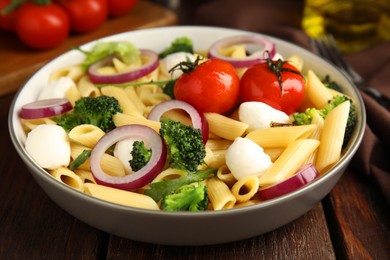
column 7, row 16
column 212, row 86
column 85, row 15
column 276, row 83
column 42, row 26
column 120, row 7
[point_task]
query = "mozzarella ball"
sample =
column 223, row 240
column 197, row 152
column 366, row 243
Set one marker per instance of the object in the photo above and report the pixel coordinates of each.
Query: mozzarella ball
column 260, row 115
column 171, row 60
column 246, row 158
column 122, row 151
column 49, row 146
column 57, row 88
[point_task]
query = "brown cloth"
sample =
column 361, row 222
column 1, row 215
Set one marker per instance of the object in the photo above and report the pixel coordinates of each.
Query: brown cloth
column 281, row 18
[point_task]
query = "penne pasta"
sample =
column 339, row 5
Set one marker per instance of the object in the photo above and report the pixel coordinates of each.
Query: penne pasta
column 215, row 159
column 68, row 177
column 126, row 198
column 332, row 137
column 86, row 176
column 169, row 174
column 289, row 161
column 219, row 194
column 316, row 91
column 73, row 72
column 109, row 164
column 225, row 127
column 87, row 88
column 125, row 103
column 73, row 95
column 276, row 137
column 245, row 188
column 121, row 119
column 224, row 174
column 134, row 98
column 30, row 124
column 87, row 135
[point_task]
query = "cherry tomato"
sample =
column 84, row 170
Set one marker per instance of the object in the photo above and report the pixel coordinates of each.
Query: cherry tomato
column 85, row 15
column 42, row 26
column 8, row 21
column 213, row 86
column 260, row 83
column 120, row 7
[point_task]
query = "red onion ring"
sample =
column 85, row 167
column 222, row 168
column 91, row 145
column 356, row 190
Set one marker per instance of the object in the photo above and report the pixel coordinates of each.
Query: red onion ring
column 304, row 175
column 257, row 57
column 124, row 77
column 198, row 119
column 45, row 108
column 139, row 178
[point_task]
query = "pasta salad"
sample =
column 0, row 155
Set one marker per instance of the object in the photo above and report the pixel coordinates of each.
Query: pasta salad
column 186, row 130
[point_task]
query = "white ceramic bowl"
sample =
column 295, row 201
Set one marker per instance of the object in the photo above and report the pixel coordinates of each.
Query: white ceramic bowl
column 184, row 228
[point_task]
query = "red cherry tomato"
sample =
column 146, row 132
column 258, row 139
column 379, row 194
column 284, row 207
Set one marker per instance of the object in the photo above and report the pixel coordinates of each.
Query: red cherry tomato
column 213, row 86
column 260, row 83
column 8, row 21
column 120, row 7
column 85, row 15
column 42, row 26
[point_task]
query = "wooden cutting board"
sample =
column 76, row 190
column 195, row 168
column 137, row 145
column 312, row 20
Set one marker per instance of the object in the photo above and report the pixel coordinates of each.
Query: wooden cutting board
column 18, row 62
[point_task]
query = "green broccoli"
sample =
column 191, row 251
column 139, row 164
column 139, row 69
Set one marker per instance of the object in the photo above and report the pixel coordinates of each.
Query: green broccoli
column 187, row 198
column 185, row 145
column 158, row 190
column 331, row 84
column 305, row 118
column 140, row 155
column 182, row 44
column 88, row 110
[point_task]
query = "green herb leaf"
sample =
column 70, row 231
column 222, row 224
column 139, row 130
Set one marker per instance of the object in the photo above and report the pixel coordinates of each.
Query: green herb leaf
column 126, row 51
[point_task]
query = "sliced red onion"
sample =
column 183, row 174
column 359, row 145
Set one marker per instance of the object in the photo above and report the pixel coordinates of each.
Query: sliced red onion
column 97, row 78
column 45, row 108
column 256, row 57
column 198, row 119
column 136, row 179
column 305, row 174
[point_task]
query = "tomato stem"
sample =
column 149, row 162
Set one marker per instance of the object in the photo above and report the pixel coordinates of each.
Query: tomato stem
column 186, row 66
column 277, row 68
column 41, row 2
column 14, row 4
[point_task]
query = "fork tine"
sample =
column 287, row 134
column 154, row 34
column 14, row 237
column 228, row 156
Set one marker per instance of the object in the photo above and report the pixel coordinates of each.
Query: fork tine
column 327, row 48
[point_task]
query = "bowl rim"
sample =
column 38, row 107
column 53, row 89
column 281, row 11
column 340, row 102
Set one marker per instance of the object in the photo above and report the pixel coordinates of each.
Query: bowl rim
column 345, row 158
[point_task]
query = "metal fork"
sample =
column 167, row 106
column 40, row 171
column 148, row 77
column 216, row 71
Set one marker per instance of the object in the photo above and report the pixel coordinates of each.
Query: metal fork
column 327, row 48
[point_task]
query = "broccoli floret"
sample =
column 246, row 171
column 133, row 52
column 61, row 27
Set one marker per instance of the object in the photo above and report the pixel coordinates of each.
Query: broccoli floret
column 158, row 190
column 331, row 84
column 187, row 198
column 88, row 110
column 305, row 118
column 140, row 155
column 185, row 145
column 182, row 44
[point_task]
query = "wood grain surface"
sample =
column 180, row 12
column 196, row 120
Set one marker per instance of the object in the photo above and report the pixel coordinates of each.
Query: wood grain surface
column 19, row 62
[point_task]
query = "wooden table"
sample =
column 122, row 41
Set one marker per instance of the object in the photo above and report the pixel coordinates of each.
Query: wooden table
column 352, row 222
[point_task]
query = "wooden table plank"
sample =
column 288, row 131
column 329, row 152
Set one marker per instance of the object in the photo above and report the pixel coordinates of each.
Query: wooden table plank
column 305, row 238
column 32, row 226
column 19, row 61
column 360, row 218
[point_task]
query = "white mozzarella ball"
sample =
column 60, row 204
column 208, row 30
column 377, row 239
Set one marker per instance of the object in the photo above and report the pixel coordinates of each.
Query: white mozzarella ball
column 122, row 151
column 260, row 115
column 57, row 88
column 246, row 158
column 172, row 60
column 49, row 146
